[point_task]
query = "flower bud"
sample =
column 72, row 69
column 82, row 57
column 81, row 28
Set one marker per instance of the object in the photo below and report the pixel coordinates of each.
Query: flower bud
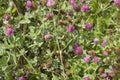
column 9, row 31
column 92, row 53
column 78, row 51
column 49, row 15
column 105, row 53
column 117, row 3
column 96, row 40
column 28, row 4
column 87, row 59
column 104, row 43
column 76, row 7
column 47, row 36
column 71, row 2
column 50, row 3
column 85, row 8
column 96, row 59
column 87, row 78
column 88, row 26
column 7, row 17
column 21, row 78
column 75, row 45
column 70, row 28
column 104, row 75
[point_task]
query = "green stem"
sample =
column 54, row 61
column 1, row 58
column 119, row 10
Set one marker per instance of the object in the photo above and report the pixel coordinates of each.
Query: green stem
column 61, row 59
column 29, row 63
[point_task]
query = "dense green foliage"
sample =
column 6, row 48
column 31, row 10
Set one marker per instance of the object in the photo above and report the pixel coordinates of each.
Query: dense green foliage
column 27, row 53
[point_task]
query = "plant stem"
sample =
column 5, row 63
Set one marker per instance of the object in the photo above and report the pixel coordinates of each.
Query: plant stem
column 16, row 5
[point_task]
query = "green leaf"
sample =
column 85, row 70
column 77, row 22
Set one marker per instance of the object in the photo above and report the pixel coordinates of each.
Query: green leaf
column 24, row 21
column 55, row 77
column 3, row 62
column 28, row 15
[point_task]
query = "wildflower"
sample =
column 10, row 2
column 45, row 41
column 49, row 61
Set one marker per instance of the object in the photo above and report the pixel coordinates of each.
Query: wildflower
column 87, row 78
column 47, row 36
column 77, row 49
column 75, row 45
column 85, row 8
column 113, row 73
column 50, row 3
column 105, row 53
column 108, row 78
column 71, row 2
column 117, row 3
column 9, row 31
column 70, row 28
column 76, row 7
column 104, row 75
column 6, row 17
column 96, row 40
column 49, row 15
column 89, row 26
column 104, row 43
column 28, row 4
column 21, row 78
column 96, row 59
column 87, row 59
